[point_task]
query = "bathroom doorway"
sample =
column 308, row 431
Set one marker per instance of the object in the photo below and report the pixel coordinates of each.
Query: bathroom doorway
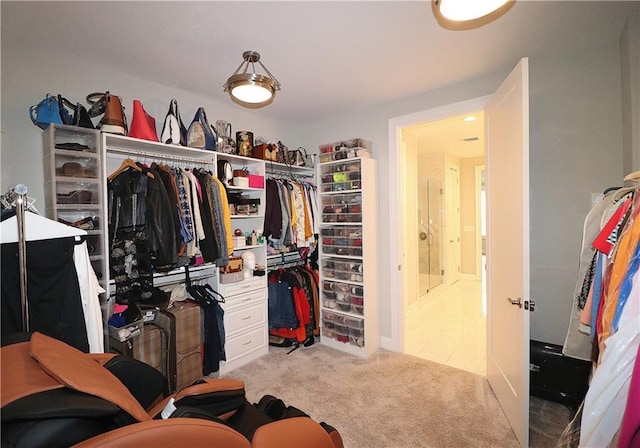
column 445, row 317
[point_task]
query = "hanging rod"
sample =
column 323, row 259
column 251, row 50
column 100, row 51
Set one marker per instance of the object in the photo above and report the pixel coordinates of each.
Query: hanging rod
column 155, row 155
column 281, row 174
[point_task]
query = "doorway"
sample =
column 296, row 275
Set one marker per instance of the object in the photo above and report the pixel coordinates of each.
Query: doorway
column 446, row 320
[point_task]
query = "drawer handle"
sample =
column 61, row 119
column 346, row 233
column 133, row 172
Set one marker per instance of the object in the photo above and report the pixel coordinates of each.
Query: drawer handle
column 248, row 343
column 247, row 318
column 247, row 299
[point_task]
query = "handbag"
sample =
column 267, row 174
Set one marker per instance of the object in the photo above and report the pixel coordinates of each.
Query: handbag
column 78, row 116
column 299, row 157
column 201, row 134
column 173, row 130
column 225, row 142
column 282, row 156
column 271, row 152
column 47, row 112
column 143, row 125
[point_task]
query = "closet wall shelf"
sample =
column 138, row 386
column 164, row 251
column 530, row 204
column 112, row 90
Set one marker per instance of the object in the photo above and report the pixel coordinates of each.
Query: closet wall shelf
column 246, row 216
column 257, row 246
column 78, row 207
column 146, row 148
column 89, row 154
column 329, row 193
column 233, row 188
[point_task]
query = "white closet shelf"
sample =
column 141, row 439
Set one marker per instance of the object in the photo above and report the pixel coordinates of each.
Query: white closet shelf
column 134, row 146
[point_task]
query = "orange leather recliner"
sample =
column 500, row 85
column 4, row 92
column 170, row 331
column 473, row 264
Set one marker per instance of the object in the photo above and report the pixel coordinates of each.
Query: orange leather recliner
column 53, row 395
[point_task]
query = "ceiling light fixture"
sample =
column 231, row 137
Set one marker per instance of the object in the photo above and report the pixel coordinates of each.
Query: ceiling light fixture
column 468, row 14
column 248, row 88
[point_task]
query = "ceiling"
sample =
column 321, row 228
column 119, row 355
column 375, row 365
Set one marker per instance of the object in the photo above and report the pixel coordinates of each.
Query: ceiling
column 329, row 56
column 461, row 137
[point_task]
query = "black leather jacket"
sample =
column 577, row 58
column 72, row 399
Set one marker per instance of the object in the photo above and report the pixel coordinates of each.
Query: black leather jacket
column 137, row 201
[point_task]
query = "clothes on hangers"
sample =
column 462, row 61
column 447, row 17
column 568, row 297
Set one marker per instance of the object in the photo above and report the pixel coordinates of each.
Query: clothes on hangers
column 609, row 311
column 293, row 300
column 578, row 342
column 291, row 215
column 90, row 291
column 163, row 217
column 213, row 332
column 54, row 296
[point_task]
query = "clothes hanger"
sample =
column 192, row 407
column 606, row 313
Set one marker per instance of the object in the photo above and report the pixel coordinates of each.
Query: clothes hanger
column 128, row 163
column 191, row 289
column 37, row 228
column 207, row 287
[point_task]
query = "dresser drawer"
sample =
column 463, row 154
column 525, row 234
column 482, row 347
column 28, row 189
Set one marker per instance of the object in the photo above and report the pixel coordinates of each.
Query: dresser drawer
column 246, row 299
column 250, row 284
column 245, row 317
column 244, row 343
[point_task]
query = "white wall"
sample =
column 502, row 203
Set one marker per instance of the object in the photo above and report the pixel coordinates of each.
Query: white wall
column 28, row 74
column 630, row 54
column 575, row 150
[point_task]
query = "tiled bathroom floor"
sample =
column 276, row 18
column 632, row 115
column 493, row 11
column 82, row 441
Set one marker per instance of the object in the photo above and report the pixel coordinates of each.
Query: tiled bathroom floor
column 448, row 326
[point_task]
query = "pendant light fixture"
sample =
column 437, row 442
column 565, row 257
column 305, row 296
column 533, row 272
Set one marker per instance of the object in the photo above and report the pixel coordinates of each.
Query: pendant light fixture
column 248, row 88
column 468, row 14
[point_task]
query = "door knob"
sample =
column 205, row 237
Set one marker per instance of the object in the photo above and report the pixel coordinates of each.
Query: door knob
column 517, row 301
column 422, row 236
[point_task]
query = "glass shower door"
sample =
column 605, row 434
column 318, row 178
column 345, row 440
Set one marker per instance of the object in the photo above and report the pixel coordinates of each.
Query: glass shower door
column 430, row 236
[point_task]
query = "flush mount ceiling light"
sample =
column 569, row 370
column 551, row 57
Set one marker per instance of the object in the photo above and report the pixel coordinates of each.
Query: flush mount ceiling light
column 248, row 88
column 468, row 14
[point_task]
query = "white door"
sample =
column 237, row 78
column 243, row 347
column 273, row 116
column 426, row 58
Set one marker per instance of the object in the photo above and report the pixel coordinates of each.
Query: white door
column 507, row 134
column 452, row 194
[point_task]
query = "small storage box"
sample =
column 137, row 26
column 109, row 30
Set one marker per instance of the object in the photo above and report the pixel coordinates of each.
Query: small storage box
column 127, row 331
column 256, row 181
column 239, row 241
column 231, row 277
column 242, row 182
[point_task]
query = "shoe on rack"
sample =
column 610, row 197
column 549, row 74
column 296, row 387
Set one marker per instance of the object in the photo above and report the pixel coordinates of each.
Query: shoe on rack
column 143, row 125
column 75, row 197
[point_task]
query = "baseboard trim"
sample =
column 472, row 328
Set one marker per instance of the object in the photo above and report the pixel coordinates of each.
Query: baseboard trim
column 387, row 344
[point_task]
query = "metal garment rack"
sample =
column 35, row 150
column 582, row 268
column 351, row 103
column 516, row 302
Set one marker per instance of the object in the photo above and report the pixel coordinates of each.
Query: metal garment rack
column 284, row 170
column 16, row 197
column 284, row 260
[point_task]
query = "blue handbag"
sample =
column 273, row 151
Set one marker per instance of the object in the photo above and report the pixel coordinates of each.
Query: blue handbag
column 47, row 111
column 201, row 134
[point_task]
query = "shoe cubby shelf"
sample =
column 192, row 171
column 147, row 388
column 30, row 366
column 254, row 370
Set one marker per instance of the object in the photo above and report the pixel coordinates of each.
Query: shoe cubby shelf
column 348, row 255
column 74, row 187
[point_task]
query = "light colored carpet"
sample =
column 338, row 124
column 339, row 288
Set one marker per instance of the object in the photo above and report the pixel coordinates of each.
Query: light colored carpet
column 389, row 400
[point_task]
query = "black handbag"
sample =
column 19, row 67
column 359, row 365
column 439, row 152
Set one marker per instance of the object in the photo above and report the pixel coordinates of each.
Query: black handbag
column 74, row 114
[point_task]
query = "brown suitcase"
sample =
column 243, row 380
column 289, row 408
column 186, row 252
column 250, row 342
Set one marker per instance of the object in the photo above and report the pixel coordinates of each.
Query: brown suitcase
column 155, row 346
column 188, row 343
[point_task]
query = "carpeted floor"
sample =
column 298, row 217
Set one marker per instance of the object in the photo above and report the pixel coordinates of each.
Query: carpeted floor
column 389, row 400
